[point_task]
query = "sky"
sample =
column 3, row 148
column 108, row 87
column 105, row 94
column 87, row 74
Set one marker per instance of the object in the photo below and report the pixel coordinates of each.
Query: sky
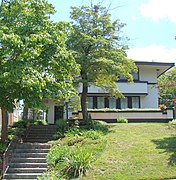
column 150, row 25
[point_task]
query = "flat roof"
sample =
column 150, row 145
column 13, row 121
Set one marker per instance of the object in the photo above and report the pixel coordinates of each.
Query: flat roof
column 161, row 67
column 154, row 63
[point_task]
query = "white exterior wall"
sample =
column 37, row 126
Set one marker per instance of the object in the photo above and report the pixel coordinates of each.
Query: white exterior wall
column 51, row 104
column 123, row 87
column 148, row 74
column 151, row 100
column 50, row 117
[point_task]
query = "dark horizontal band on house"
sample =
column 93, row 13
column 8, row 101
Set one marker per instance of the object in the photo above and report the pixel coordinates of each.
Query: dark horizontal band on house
column 121, row 110
column 107, row 94
column 137, row 81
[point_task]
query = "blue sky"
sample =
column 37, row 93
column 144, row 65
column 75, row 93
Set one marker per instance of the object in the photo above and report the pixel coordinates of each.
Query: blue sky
column 150, row 25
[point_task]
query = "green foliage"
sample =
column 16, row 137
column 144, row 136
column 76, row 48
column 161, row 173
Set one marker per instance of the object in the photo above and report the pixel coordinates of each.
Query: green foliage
column 20, row 124
column 15, row 133
column 166, row 85
column 172, row 124
column 51, row 175
column 38, row 122
column 61, row 125
column 57, row 156
column 34, row 60
column 92, row 134
column 72, row 155
column 122, row 120
column 58, row 135
column 2, row 148
column 78, row 162
column 99, row 50
column 69, row 162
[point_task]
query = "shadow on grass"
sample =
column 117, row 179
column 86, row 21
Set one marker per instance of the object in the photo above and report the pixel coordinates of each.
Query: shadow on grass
column 169, row 144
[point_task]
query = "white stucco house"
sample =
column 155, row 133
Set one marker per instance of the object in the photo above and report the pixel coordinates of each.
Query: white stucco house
column 141, row 100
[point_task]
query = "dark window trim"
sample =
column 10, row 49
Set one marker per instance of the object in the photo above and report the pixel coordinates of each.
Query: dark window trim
column 118, row 102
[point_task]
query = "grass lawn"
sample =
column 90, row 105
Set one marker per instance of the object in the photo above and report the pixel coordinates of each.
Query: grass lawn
column 139, row 151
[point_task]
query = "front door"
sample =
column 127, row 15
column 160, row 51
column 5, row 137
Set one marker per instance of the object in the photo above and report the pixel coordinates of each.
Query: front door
column 58, row 113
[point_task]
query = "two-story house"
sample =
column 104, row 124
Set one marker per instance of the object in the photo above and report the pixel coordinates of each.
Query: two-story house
column 141, row 98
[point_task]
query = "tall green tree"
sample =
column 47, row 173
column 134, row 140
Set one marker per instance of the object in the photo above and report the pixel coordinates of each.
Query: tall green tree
column 167, row 88
column 99, row 50
column 34, row 61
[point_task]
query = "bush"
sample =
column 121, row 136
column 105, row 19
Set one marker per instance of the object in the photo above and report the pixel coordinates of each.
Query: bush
column 51, row 175
column 122, row 120
column 172, row 124
column 38, row 122
column 57, row 155
column 58, row 135
column 78, row 162
column 61, row 125
column 2, row 148
column 69, row 162
column 20, row 124
column 91, row 134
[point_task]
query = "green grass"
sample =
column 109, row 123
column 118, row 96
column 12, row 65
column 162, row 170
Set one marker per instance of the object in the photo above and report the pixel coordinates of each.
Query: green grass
column 139, row 151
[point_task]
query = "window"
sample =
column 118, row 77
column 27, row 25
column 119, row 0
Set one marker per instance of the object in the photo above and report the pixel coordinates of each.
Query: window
column 124, row 103
column 100, row 102
column 90, row 102
column 112, row 103
column 95, row 102
column 135, row 102
column 135, row 76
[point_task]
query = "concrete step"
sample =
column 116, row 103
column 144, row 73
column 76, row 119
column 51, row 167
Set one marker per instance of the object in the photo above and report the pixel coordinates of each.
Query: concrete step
column 37, row 140
column 31, row 150
column 34, row 145
column 23, row 155
column 22, row 175
column 25, row 170
column 28, row 165
column 28, row 160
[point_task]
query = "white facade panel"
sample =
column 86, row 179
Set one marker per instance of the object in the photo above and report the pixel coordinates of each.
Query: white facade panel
column 151, row 100
column 124, row 87
column 148, row 74
column 51, row 105
column 133, row 88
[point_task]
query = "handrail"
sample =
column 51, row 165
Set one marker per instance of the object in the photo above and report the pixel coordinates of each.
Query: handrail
column 7, row 155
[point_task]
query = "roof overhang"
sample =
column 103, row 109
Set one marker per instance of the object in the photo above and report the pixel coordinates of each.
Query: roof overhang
column 161, row 67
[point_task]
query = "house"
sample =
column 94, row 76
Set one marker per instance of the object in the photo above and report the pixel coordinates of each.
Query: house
column 140, row 102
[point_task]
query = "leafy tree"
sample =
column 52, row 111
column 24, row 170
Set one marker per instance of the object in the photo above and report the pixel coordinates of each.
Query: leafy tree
column 99, row 50
column 34, row 61
column 167, row 88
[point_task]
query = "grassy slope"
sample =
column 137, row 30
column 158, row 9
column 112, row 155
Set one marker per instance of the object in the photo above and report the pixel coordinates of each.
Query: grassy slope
column 137, row 151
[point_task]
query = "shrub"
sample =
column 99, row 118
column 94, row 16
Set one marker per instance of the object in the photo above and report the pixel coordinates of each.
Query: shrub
column 78, row 162
column 91, row 134
column 58, row 135
column 57, row 155
column 15, row 133
column 20, row 124
column 172, row 124
column 51, row 175
column 122, row 120
column 38, row 122
column 2, row 148
column 61, row 125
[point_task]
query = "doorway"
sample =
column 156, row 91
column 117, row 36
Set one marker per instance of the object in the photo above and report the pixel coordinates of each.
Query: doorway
column 58, row 113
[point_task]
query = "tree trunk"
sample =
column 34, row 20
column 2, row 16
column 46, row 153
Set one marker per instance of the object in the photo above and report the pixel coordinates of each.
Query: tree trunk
column 83, row 101
column 25, row 113
column 4, row 129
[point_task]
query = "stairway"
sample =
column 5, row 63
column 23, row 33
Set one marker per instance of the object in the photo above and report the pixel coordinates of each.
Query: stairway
column 29, row 158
